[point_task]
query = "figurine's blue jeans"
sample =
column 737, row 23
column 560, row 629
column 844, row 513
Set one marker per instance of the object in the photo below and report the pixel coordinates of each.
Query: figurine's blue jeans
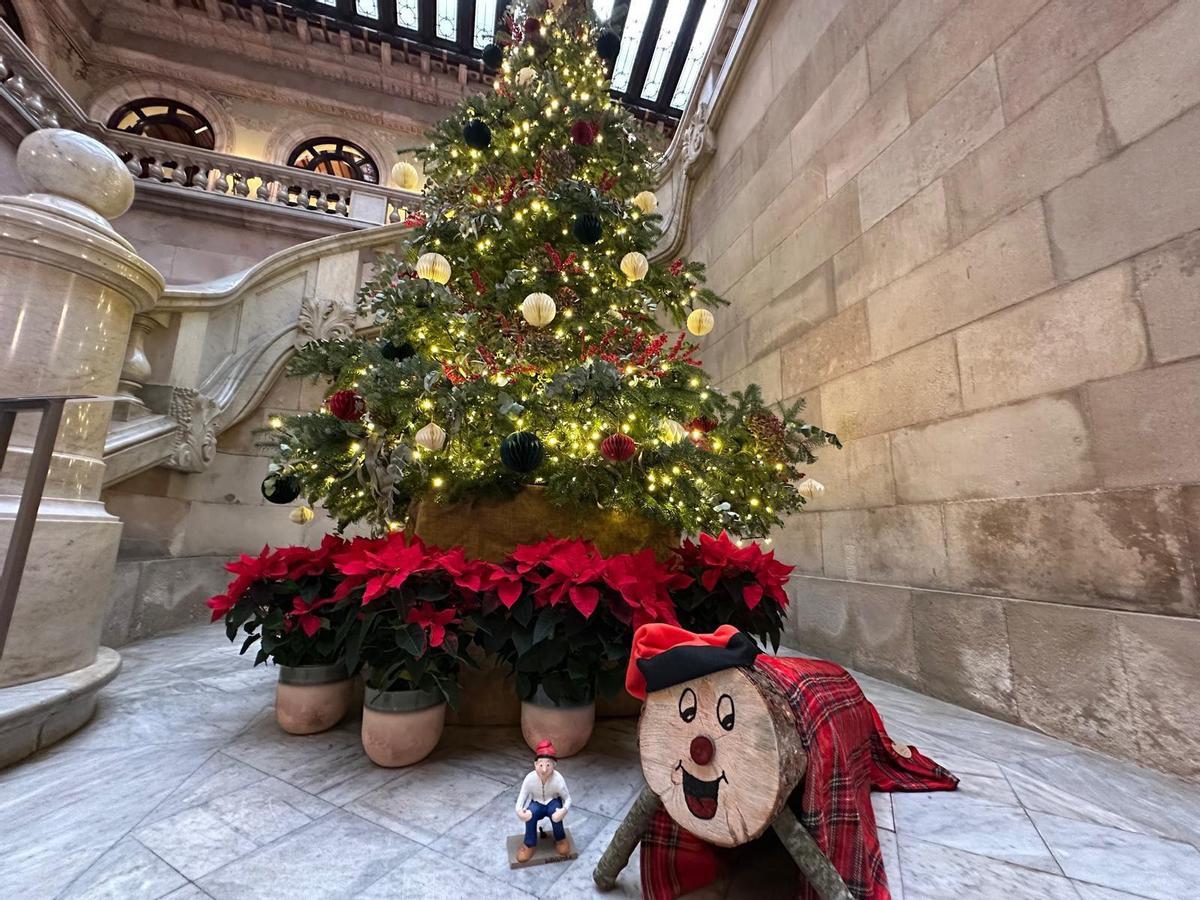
column 543, row 811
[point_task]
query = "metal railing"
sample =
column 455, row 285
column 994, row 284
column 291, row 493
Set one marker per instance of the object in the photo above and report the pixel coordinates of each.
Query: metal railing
column 40, row 458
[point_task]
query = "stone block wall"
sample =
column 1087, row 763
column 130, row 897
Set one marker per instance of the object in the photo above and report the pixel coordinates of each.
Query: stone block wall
column 968, row 232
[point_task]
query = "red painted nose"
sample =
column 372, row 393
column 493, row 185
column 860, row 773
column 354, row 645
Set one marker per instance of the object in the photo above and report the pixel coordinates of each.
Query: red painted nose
column 702, row 750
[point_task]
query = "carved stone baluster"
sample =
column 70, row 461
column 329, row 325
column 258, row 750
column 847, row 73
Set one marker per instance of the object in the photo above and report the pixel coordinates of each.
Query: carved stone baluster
column 341, row 208
column 178, row 171
column 153, row 168
column 240, row 187
column 135, row 371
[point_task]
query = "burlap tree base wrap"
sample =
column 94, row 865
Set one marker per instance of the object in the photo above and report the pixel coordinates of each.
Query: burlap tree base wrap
column 490, row 529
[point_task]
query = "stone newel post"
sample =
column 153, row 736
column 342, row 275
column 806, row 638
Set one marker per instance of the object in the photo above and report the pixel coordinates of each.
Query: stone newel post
column 70, row 289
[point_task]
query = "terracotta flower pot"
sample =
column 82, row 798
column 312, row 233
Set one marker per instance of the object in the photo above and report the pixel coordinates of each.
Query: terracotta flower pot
column 309, row 699
column 400, row 728
column 567, row 726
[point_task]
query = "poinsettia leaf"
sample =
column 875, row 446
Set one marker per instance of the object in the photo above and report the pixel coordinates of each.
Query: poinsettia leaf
column 544, row 626
column 522, row 610
column 523, row 640
column 248, row 642
column 609, row 682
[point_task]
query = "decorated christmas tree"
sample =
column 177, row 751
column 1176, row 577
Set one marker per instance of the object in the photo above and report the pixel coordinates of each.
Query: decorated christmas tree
column 526, row 337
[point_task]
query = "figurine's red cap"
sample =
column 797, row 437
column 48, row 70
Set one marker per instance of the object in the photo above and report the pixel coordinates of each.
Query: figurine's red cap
column 545, row 748
column 664, row 655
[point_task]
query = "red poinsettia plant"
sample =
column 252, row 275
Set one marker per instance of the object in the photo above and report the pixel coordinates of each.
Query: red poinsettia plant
column 562, row 615
column 286, row 601
column 732, row 583
column 412, row 600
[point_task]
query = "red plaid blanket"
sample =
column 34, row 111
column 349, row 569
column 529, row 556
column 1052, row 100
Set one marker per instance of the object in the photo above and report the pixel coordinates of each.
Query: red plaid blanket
column 849, row 753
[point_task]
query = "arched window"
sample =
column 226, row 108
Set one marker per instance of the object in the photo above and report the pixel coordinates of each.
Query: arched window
column 167, row 120
column 9, row 15
column 335, row 156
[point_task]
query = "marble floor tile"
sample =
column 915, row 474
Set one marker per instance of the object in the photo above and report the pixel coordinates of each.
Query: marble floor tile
column 129, row 869
column 974, row 826
column 1095, row 892
column 576, row 879
column 195, row 841
column 186, row 756
column 424, row 802
column 1136, row 863
column 1036, row 794
column 935, row 872
column 184, row 827
column 891, row 864
column 601, row 783
column 171, row 713
column 428, row 875
column 217, row 777
column 881, row 803
column 497, row 752
column 1156, row 803
column 187, row 892
column 331, row 765
column 336, row 856
column 59, row 813
column 977, row 734
column 479, row 842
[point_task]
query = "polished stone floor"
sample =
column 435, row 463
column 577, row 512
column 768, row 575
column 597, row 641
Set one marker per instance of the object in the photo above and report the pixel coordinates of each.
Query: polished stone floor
column 183, row 787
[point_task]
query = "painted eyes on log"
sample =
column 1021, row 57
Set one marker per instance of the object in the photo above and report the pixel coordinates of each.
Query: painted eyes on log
column 725, row 712
column 687, row 705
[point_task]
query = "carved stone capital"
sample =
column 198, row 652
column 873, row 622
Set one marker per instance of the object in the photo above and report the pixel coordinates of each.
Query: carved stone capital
column 323, row 320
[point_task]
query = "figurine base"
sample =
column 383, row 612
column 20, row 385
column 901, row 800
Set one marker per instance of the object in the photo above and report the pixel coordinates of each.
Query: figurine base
column 543, row 853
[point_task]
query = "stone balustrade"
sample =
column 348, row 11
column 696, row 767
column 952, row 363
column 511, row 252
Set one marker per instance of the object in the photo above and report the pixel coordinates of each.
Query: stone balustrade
column 39, row 101
column 156, row 162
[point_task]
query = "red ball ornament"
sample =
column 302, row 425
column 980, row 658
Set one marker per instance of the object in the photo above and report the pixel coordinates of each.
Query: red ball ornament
column 532, row 26
column 703, row 424
column 618, row 447
column 584, row 132
column 346, row 405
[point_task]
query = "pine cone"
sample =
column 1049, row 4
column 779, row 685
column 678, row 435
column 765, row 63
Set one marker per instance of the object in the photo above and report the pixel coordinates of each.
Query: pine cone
column 558, row 163
column 769, row 431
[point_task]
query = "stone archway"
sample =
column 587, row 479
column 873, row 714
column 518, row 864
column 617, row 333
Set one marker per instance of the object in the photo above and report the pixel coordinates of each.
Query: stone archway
column 283, row 140
column 139, row 86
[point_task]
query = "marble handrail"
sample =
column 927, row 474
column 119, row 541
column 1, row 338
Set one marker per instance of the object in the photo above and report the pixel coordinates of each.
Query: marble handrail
column 215, row 357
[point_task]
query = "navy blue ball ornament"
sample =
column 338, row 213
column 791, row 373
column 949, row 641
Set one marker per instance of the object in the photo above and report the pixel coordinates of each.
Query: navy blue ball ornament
column 493, row 56
column 522, row 452
column 587, row 228
column 280, row 488
column 608, row 46
column 477, row 135
column 396, row 352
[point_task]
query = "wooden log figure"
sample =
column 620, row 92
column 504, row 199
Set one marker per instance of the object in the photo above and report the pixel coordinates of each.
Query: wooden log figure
column 722, row 753
column 724, row 739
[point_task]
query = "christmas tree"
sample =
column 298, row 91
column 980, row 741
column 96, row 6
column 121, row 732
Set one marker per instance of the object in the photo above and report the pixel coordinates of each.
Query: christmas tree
column 523, row 337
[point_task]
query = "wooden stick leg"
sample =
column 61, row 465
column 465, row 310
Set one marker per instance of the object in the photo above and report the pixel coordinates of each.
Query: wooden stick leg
column 625, row 838
column 815, row 865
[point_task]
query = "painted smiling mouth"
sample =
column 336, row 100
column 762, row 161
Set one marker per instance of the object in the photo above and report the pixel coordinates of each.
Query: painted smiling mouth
column 700, row 795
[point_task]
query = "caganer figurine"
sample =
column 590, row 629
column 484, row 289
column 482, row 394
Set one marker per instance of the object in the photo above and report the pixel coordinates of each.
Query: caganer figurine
column 543, row 795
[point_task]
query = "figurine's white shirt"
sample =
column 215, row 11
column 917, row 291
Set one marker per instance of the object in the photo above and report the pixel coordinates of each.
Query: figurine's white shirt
column 533, row 789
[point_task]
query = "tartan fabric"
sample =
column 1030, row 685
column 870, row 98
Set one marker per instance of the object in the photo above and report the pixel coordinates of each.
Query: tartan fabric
column 849, row 753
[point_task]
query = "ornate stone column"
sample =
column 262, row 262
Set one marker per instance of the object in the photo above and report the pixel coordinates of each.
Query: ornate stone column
column 70, row 290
